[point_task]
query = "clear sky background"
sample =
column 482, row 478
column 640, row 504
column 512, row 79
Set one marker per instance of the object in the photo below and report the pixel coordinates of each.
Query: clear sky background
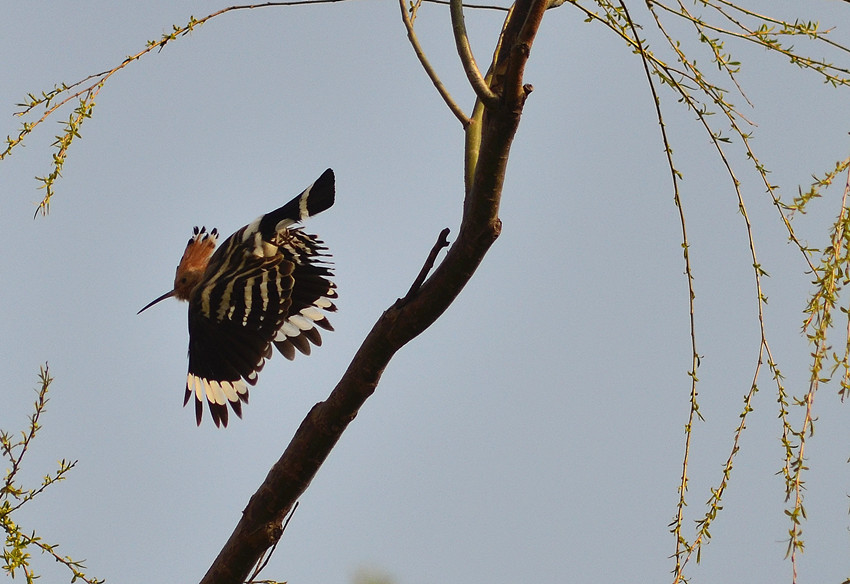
column 535, row 432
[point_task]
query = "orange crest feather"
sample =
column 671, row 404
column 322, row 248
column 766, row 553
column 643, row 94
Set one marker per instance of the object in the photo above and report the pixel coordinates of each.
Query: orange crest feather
column 194, row 262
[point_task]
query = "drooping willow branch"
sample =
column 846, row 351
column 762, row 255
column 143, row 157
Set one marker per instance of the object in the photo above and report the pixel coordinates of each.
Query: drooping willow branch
column 704, row 97
column 85, row 90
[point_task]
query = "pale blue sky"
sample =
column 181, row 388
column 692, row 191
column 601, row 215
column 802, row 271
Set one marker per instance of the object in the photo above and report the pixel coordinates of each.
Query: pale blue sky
column 534, row 433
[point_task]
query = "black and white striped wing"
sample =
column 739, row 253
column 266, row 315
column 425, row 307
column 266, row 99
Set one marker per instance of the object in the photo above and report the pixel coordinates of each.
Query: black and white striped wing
column 312, row 293
column 267, row 284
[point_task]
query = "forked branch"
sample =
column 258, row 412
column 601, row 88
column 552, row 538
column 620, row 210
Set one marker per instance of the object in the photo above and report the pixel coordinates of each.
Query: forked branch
column 261, row 523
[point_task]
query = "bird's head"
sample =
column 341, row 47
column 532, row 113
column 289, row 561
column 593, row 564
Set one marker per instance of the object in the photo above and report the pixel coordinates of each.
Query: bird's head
column 192, row 265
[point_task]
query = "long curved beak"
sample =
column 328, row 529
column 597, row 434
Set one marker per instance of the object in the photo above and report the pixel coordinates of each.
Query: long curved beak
column 163, row 297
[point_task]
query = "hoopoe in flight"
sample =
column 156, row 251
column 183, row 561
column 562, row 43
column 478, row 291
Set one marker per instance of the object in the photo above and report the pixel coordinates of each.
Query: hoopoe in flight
column 266, row 285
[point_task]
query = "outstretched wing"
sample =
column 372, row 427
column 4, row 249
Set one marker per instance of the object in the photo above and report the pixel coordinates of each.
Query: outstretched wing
column 312, row 292
column 267, row 283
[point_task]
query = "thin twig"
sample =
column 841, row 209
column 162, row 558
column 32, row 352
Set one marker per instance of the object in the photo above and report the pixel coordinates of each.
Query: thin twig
column 432, row 74
column 267, row 555
column 694, row 408
column 464, row 51
column 442, row 241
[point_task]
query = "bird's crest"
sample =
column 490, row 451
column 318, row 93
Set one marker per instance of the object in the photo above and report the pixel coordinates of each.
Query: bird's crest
column 194, row 262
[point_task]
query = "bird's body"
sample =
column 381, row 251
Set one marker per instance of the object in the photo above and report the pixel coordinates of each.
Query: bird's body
column 267, row 284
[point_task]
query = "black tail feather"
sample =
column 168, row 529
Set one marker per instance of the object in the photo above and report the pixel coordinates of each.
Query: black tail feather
column 316, row 198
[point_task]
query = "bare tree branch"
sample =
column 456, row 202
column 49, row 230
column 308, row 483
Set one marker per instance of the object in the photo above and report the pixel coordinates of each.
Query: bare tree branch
column 261, row 523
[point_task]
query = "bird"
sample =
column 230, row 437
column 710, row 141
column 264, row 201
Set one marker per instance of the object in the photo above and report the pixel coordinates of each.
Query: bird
column 268, row 284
